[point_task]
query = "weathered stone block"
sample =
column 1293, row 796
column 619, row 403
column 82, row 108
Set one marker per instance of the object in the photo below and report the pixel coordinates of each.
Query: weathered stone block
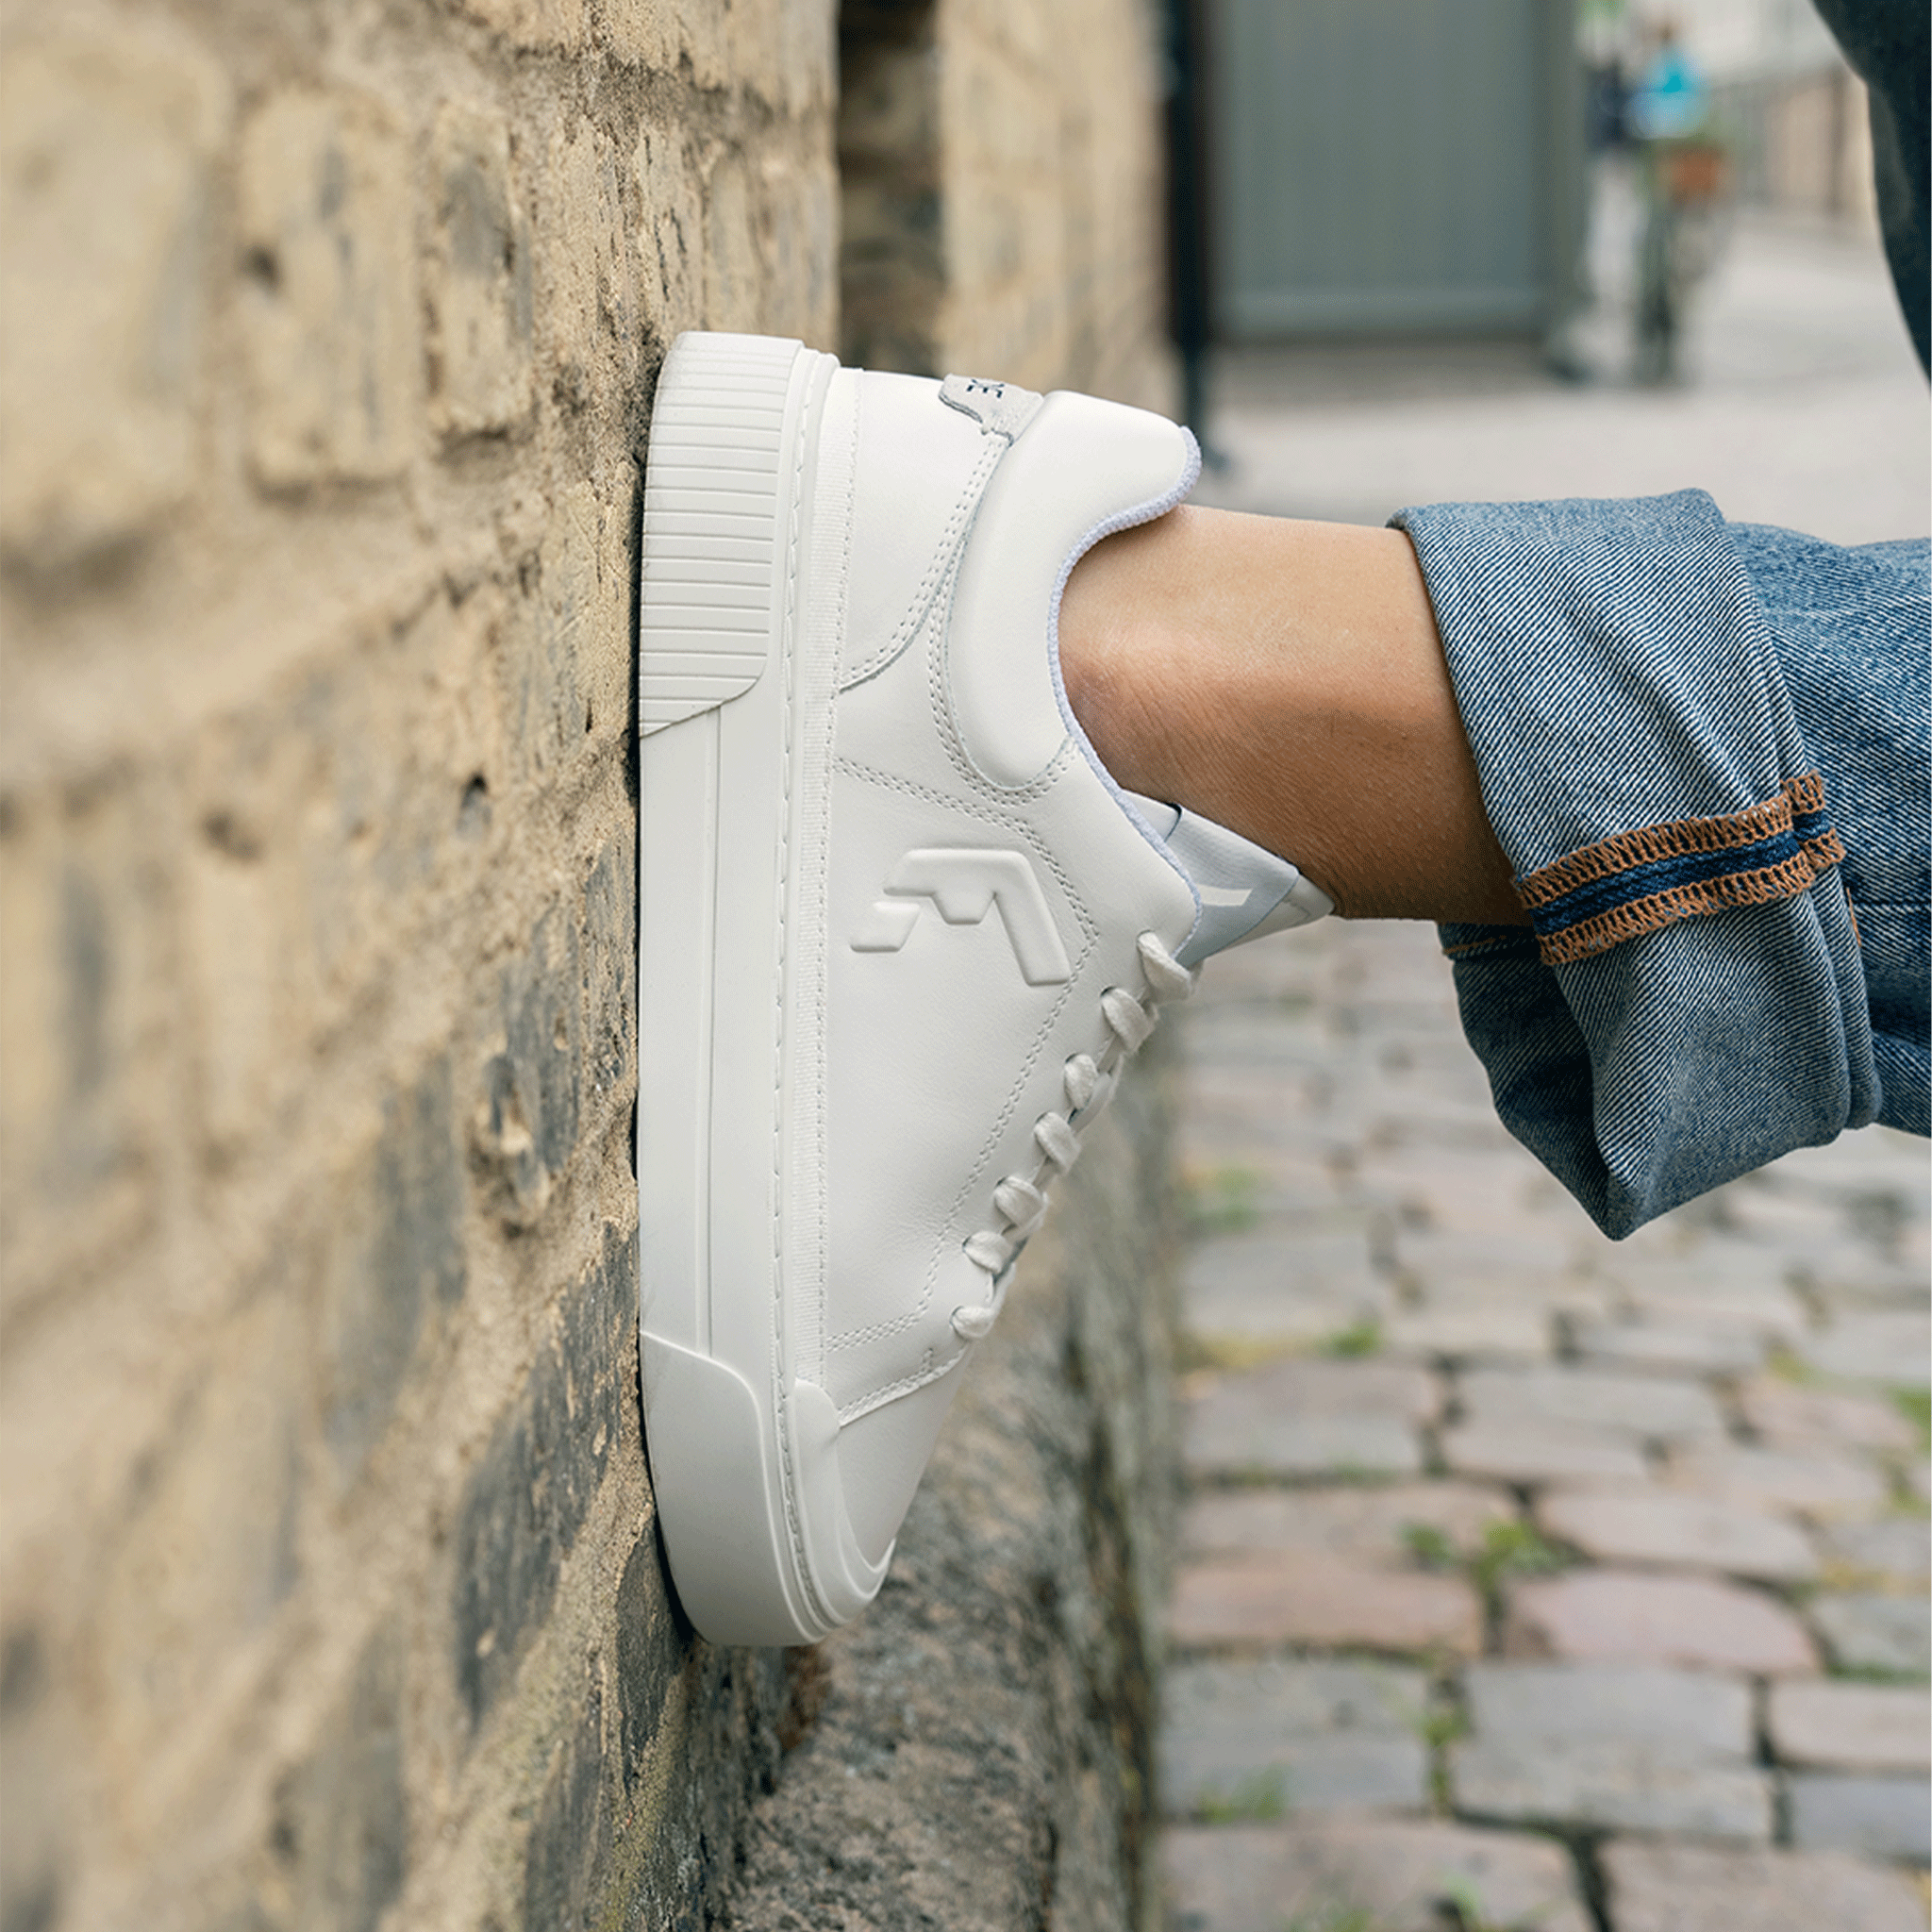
column 395, row 1253
column 339, row 1841
column 481, row 295
column 1473, row 1331
column 1281, row 1283
column 1394, row 1876
column 1305, row 1597
column 1536, row 1451
column 1622, row 1784
column 1816, row 1482
column 1868, row 1632
column 1684, row 1888
column 1610, row 1615
column 106, row 146
column 671, row 233
column 1334, row 1736
column 534, row 1485
column 1678, row 1531
column 211, row 1546
column 1683, row 1349
column 1844, row 1727
column 525, row 1130
column 734, row 268
column 330, row 308
column 1895, row 1549
column 546, row 24
column 1895, row 1348
column 1694, row 1714
column 1628, row 1747
column 1363, row 1521
column 1882, row 1817
column 1787, row 1416
column 568, row 1853
column 1307, row 1418
column 1644, row 1406
column 587, row 267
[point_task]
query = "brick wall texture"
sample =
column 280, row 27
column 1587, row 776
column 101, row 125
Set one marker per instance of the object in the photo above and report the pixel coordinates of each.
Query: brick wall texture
column 329, row 1595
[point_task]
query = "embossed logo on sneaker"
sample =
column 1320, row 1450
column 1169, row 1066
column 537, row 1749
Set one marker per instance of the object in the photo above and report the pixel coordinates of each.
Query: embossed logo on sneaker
column 966, row 886
column 999, row 409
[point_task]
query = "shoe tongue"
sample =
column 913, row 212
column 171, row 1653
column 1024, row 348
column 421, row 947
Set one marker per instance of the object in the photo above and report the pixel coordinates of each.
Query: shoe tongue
column 1245, row 892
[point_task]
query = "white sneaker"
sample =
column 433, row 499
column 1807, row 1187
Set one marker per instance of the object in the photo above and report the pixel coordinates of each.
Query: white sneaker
column 899, row 930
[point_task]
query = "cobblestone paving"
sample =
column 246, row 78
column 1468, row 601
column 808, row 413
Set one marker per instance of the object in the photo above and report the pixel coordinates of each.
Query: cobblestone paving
column 1528, row 1578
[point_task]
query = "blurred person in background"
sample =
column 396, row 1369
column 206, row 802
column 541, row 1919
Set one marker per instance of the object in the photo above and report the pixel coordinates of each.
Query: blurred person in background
column 1681, row 175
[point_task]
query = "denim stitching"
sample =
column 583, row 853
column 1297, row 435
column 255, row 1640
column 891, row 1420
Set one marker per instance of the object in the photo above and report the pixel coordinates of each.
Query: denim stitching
column 1799, row 797
column 1699, row 866
column 1591, row 936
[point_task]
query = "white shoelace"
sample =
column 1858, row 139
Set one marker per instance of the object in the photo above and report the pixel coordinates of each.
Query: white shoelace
column 1089, row 1083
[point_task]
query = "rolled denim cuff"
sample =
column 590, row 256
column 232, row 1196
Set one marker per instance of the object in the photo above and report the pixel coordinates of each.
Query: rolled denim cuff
column 1688, row 1001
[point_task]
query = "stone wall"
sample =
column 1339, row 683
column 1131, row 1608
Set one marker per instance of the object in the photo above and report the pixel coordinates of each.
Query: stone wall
column 1004, row 192
column 331, row 1593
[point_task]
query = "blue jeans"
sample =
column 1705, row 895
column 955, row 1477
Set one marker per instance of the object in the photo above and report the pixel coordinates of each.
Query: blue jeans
column 1704, row 748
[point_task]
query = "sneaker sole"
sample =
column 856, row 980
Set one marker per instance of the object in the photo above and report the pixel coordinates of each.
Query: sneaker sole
column 738, row 638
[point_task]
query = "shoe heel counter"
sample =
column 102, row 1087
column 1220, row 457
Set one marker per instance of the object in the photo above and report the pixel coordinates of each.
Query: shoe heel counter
column 1084, row 469
column 721, row 489
column 920, row 470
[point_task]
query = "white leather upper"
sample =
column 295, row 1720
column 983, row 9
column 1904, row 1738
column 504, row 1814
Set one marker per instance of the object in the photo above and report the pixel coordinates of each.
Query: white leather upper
column 941, row 1053
column 902, row 510
column 1040, row 511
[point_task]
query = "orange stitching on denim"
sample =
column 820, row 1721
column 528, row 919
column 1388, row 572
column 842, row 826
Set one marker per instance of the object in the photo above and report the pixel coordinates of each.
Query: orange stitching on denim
column 1806, row 794
column 1824, row 851
column 1589, row 937
column 1625, row 851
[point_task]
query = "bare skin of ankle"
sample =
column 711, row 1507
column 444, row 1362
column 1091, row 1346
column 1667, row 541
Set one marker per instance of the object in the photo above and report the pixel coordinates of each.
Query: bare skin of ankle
column 1286, row 679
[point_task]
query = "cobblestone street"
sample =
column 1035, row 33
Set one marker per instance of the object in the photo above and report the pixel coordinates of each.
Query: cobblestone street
column 1528, row 1578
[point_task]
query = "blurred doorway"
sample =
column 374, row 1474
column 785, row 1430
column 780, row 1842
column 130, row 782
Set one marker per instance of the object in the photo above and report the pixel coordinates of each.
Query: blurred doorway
column 1395, row 166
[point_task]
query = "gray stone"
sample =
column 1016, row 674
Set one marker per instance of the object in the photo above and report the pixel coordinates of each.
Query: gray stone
column 1894, row 1546
column 1786, row 1415
column 1615, row 1616
column 1679, row 1532
column 1633, row 1747
column 1398, row 1875
column 1884, row 1817
column 1816, row 1482
column 1363, row 1520
column 1622, row 1783
column 1767, row 1310
column 1845, row 1727
column 1306, row 1736
column 1269, row 1285
column 1535, row 1451
column 1867, row 1632
column 1305, row 1418
column 1674, row 1348
column 1891, row 1348
column 1523, row 1270
column 1681, row 1887
column 1646, row 1406
column 1694, row 1713
column 1270, row 1598
column 1469, row 1331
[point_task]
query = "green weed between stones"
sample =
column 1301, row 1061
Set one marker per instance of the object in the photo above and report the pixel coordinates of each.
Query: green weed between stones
column 1457, row 1907
column 1507, row 1550
column 1915, row 1405
column 1357, row 1340
column 1260, row 1798
column 1220, row 1200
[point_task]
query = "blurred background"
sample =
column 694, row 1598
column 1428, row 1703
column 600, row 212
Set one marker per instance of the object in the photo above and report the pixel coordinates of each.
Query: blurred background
column 1504, row 250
